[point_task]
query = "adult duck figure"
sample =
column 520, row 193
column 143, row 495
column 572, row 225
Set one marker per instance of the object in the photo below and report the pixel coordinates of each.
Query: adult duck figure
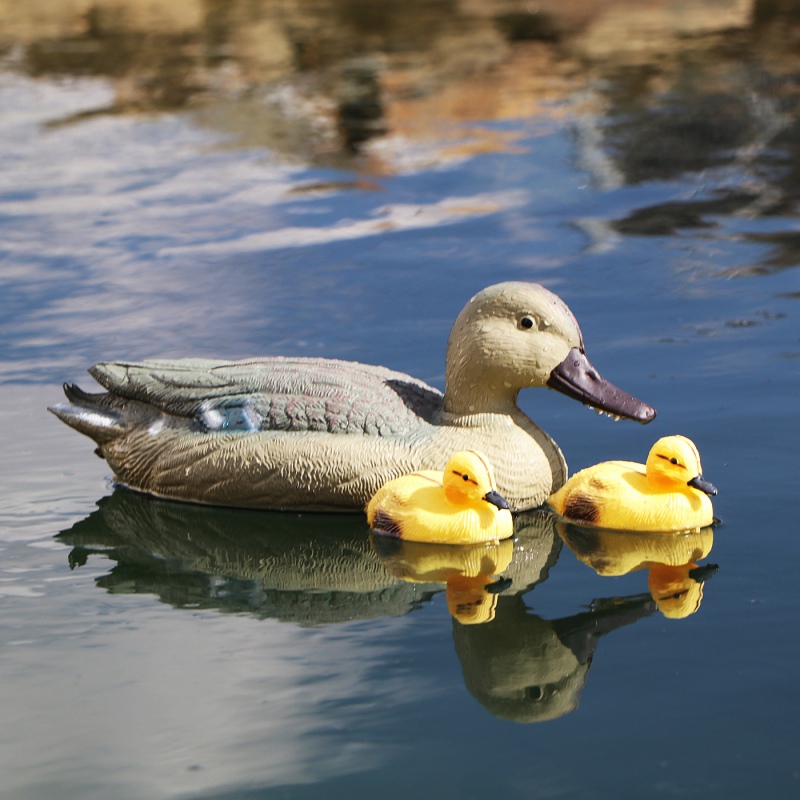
column 313, row 433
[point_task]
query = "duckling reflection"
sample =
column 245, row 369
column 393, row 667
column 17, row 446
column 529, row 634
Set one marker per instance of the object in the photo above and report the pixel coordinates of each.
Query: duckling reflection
column 475, row 575
column 523, row 668
column 469, row 572
column 311, row 569
column 675, row 580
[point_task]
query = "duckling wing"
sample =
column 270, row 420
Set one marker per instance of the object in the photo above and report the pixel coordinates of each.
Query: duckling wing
column 282, row 394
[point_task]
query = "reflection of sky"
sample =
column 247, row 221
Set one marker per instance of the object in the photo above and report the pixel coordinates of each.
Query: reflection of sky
column 157, row 703
column 123, row 696
column 133, row 229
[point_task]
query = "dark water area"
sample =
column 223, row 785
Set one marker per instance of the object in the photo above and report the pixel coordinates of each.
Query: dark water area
column 230, row 179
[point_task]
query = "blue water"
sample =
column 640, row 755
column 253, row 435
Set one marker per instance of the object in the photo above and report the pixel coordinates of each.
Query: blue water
column 153, row 650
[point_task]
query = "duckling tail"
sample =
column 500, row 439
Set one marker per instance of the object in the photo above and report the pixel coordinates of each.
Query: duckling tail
column 90, row 414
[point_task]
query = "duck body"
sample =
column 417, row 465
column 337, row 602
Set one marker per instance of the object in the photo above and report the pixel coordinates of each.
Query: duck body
column 322, row 434
column 458, row 505
column 668, row 493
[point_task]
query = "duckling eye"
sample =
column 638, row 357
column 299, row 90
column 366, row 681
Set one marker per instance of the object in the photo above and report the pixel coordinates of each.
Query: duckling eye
column 464, row 477
column 526, row 323
column 672, row 460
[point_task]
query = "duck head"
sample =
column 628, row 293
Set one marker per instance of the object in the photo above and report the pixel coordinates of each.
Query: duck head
column 469, row 479
column 518, row 335
column 674, row 462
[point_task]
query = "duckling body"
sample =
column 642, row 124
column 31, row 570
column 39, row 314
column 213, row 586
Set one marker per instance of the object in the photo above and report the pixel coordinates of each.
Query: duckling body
column 668, row 493
column 313, row 433
column 456, row 506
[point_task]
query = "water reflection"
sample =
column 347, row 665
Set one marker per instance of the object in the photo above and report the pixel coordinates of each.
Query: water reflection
column 320, row 79
column 475, row 575
column 527, row 669
column 675, row 580
column 705, row 86
column 319, row 569
column 469, row 572
column 310, row 569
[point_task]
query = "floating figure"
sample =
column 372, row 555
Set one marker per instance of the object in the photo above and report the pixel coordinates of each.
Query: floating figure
column 457, row 506
column 314, row 433
column 668, row 493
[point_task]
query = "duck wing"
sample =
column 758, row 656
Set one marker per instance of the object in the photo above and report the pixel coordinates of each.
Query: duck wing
column 278, row 393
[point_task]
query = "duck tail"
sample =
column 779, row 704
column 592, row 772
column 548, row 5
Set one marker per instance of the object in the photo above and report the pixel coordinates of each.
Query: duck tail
column 90, row 414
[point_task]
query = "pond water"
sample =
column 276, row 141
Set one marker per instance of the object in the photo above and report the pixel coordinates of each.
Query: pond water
column 229, row 179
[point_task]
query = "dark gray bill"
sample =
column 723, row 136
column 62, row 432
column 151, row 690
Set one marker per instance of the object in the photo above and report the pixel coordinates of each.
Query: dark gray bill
column 496, row 499
column 699, row 482
column 577, row 378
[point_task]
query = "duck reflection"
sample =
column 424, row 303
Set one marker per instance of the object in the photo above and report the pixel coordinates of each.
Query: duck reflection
column 474, row 575
column 523, row 668
column 675, row 580
column 317, row 569
column 311, row 569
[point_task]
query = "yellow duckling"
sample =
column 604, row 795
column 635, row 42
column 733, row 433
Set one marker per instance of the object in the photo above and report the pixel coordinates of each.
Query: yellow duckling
column 457, row 506
column 668, row 493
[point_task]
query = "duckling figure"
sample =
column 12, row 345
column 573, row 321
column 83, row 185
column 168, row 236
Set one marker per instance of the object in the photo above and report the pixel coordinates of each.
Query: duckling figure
column 457, row 506
column 668, row 493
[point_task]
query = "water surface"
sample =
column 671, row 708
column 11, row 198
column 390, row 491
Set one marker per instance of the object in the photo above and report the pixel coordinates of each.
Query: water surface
column 334, row 179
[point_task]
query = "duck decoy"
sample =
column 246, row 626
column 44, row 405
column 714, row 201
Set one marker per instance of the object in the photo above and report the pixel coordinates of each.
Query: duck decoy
column 323, row 434
column 667, row 493
column 458, row 505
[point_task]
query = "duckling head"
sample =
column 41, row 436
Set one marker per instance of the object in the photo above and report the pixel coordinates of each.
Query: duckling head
column 673, row 463
column 469, row 480
column 518, row 335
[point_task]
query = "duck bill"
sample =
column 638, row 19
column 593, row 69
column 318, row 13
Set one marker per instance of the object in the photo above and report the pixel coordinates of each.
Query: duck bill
column 496, row 499
column 699, row 482
column 577, row 378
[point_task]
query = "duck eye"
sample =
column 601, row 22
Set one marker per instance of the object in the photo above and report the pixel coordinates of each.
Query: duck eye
column 673, row 461
column 526, row 323
column 465, row 477
column 534, row 692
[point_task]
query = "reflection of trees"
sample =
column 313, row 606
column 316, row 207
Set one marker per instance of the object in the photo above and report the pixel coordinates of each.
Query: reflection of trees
column 361, row 63
column 666, row 89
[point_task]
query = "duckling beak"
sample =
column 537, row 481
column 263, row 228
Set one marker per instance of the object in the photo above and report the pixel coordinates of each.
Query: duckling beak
column 496, row 499
column 577, row 378
column 699, row 482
